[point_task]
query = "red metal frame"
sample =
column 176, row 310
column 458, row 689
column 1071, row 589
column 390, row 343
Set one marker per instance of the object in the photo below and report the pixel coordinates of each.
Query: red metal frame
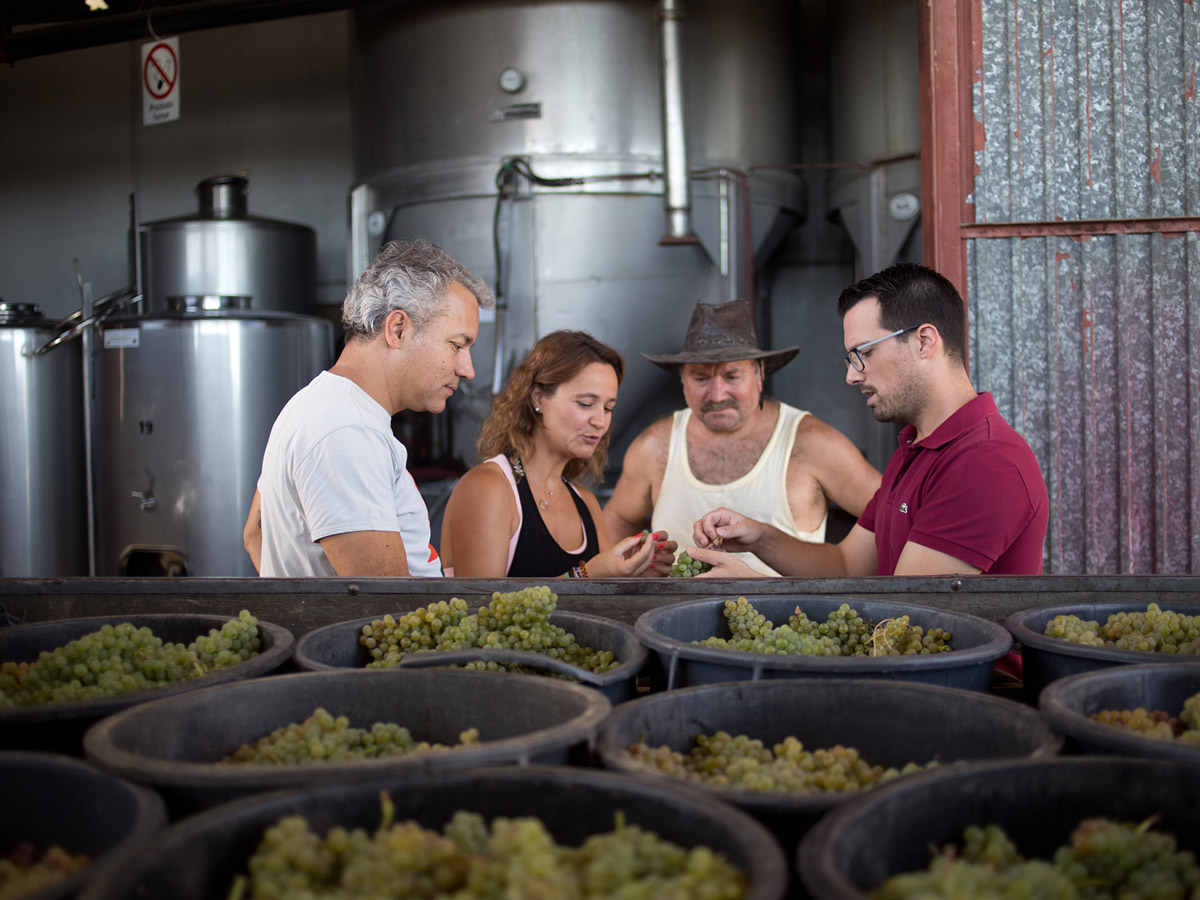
column 1164, row 225
column 949, row 49
column 950, row 58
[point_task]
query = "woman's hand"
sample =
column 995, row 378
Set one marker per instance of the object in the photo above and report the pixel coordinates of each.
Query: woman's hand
column 664, row 554
column 632, row 556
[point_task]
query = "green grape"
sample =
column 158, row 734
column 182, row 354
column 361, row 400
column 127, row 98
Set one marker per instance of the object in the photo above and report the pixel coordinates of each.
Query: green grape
column 1101, row 859
column 1153, row 631
column 325, row 738
column 516, row 620
column 24, row 872
column 843, row 633
column 472, row 858
column 1157, row 723
column 787, row 767
column 119, row 658
column 686, row 567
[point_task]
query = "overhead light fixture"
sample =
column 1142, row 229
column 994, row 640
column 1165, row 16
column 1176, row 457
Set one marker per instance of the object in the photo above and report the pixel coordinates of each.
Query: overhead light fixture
column 96, row 5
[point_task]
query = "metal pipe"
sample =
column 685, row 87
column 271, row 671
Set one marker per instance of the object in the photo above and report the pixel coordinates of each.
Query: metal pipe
column 89, row 421
column 677, row 188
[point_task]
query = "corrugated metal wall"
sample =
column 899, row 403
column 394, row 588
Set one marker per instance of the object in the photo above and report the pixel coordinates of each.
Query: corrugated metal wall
column 1088, row 332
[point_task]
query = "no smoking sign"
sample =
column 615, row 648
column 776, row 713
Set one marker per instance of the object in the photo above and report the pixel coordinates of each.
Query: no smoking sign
column 160, row 81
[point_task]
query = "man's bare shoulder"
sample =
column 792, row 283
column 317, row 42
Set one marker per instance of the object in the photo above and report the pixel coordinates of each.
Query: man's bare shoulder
column 652, row 444
column 816, row 439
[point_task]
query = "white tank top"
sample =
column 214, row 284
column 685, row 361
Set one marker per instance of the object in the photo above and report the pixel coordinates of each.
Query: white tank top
column 760, row 494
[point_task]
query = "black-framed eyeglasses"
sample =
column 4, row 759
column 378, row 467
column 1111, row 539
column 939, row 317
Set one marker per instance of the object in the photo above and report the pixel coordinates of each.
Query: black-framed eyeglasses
column 854, row 359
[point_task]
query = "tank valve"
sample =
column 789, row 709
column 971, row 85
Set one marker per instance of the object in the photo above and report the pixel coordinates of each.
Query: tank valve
column 146, row 500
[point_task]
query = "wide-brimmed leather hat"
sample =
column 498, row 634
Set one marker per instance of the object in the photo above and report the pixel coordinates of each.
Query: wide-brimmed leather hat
column 722, row 332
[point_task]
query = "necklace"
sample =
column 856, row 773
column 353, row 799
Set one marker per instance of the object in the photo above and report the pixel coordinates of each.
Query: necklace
column 519, row 469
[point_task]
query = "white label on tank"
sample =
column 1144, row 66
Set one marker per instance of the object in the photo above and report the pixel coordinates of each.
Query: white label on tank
column 517, row 111
column 116, row 338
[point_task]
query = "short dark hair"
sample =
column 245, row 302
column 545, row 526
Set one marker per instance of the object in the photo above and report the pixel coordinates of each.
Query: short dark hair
column 910, row 294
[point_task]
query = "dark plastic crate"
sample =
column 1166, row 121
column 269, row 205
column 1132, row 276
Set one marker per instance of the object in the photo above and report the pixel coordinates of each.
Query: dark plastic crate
column 1038, row 802
column 875, row 717
column 1048, row 658
column 1068, row 703
column 212, row 847
column 336, row 646
column 59, row 727
column 669, row 631
column 51, row 799
column 173, row 744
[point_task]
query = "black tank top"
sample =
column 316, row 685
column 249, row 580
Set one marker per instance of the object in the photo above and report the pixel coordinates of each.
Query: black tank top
column 537, row 554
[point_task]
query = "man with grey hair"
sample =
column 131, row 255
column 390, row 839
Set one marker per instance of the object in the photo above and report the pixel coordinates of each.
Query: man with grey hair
column 335, row 496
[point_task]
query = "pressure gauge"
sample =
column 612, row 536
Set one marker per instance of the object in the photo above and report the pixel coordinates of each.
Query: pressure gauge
column 903, row 207
column 512, row 80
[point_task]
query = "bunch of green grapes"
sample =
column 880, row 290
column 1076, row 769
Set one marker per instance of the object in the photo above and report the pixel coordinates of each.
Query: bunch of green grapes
column 843, row 633
column 323, row 738
column 1157, row 723
column 897, row 637
column 120, row 658
column 1191, row 713
column 1155, row 631
column 686, row 567
column 24, row 872
column 1150, row 723
column 747, row 763
column 472, row 858
column 1103, row 859
column 517, row 620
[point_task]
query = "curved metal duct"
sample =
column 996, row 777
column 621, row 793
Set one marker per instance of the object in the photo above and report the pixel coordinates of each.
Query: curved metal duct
column 527, row 138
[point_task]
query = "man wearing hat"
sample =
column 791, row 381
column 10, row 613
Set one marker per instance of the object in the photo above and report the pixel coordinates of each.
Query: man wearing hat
column 733, row 447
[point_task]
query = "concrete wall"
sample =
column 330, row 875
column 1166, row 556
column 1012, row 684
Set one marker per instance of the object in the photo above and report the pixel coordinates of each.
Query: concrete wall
column 270, row 98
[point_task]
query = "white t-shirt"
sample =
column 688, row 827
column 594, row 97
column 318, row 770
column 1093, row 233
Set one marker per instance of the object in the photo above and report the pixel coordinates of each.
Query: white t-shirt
column 332, row 465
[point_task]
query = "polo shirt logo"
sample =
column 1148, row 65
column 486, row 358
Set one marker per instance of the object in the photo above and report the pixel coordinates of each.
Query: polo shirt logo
column 904, row 508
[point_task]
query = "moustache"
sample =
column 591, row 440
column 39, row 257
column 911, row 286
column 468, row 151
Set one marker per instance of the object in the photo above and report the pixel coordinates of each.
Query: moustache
column 715, row 405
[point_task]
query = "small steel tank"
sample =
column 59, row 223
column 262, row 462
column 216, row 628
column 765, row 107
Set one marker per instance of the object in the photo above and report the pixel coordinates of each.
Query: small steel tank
column 186, row 400
column 43, row 488
column 224, row 251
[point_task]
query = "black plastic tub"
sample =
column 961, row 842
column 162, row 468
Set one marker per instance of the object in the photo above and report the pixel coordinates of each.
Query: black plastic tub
column 49, row 799
column 1048, row 658
column 59, row 727
column 212, row 847
column 875, row 717
column 1069, row 702
column 669, row 632
column 173, row 744
column 336, row 647
column 1038, row 802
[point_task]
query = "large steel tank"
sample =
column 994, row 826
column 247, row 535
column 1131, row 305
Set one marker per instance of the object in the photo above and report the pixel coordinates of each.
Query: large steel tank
column 528, row 139
column 223, row 251
column 43, row 486
column 186, row 400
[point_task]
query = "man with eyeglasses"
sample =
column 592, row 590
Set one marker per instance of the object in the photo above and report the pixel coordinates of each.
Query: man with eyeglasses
column 963, row 492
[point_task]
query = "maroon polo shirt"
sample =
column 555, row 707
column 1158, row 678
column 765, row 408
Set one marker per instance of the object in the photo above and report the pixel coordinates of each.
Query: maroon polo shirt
column 972, row 490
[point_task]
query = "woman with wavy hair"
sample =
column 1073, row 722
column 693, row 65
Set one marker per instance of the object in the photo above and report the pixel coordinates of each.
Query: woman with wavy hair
column 522, row 513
